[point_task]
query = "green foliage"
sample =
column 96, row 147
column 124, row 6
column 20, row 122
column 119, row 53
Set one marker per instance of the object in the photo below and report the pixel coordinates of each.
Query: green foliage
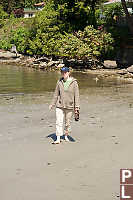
column 74, row 17
column 5, row 44
column 10, row 5
column 19, row 37
column 30, row 3
column 47, row 37
column 90, row 43
column 45, row 32
column 77, row 14
column 3, row 16
column 15, row 31
column 111, row 12
column 50, row 33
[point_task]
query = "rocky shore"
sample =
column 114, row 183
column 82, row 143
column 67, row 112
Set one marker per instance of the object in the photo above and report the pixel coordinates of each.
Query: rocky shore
column 107, row 68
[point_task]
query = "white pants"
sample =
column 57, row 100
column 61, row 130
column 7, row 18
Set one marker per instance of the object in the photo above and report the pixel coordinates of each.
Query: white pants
column 63, row 115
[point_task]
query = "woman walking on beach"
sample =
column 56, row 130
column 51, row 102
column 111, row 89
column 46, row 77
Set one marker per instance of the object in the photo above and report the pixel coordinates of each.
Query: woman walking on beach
column 66, row 101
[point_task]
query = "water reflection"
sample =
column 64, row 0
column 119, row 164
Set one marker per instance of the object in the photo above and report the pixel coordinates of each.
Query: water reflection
column 20, row 80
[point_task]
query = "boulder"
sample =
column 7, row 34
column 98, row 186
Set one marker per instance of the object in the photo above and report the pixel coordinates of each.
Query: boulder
column 42, row 59
column 110, row 64
column 122, row 72
column 6, row 55
column 51, row 63
column 130, row 69
column 43, row 65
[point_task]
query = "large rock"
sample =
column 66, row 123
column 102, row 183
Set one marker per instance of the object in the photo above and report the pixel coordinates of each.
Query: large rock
column 42, row 59
column 130, row 69
column 6, row 55
column 110, row 64
column 51, row 63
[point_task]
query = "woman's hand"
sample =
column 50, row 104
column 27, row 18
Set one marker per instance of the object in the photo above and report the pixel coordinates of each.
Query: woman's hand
column 76, row 110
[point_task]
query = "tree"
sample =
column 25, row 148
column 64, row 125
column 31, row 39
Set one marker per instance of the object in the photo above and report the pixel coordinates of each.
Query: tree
column 128, row 18
column 93, row 5
column 77, row 14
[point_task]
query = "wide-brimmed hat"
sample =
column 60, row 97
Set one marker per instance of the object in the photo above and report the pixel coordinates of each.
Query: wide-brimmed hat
column 64, row 69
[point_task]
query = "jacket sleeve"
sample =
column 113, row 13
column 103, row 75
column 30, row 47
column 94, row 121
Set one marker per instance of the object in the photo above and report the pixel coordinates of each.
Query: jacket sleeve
column 56, row 94
column 76, row 95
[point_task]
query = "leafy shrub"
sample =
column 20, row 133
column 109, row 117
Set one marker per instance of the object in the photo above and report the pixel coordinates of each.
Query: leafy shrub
column 5, row 44
column 19, row 37
column 90, row 43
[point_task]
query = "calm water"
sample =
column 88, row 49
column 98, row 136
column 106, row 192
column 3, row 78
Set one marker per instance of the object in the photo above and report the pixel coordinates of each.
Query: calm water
column 21, row 81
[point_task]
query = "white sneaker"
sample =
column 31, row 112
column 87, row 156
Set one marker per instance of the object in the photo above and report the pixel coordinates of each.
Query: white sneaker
column 56, row 142
column 66, row 138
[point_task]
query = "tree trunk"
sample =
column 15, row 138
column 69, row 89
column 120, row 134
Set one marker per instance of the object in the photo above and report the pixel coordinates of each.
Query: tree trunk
column 128, row 18
column 93, row 6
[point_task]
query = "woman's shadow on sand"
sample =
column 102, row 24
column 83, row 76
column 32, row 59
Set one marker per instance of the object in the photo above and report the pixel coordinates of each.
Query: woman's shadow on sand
column 53, row 136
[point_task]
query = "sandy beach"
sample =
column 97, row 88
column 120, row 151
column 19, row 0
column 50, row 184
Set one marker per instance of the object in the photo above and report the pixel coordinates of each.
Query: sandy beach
column 87, row 167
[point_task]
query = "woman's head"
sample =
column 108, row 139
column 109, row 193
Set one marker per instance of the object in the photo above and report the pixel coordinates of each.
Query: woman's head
column 65, row 72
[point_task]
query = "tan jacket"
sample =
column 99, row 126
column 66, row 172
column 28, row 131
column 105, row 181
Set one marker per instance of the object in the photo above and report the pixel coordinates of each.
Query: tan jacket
column 66, row 99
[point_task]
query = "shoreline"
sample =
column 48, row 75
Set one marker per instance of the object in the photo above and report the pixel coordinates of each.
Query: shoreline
column 47, row 64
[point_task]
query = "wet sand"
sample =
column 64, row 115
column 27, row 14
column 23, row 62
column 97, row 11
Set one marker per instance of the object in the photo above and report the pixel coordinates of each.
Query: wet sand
column 87, row 167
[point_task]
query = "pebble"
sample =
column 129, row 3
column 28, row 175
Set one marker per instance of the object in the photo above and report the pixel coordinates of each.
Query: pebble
column 49, row 163
column 116, row 143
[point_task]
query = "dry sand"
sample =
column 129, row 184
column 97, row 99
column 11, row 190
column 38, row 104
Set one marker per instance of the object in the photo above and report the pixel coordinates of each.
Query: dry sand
column 31, row 168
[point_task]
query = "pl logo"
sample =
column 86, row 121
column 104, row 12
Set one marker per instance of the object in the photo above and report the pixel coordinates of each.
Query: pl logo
column 126, row 184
